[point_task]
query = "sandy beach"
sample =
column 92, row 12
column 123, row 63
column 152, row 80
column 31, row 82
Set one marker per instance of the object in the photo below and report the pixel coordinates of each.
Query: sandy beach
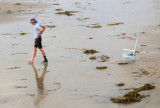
column 70, row 79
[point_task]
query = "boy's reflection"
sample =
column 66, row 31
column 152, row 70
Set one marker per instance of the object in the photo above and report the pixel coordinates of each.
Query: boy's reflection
column 41, row 92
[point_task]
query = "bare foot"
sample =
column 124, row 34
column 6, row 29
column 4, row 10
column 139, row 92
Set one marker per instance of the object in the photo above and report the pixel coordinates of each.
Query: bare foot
column 30, row 61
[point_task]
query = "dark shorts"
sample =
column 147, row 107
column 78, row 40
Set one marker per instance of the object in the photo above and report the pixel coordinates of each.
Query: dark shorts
column 38, row 43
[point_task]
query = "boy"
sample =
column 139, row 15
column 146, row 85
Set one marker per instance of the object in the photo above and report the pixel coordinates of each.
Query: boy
column 39, row 29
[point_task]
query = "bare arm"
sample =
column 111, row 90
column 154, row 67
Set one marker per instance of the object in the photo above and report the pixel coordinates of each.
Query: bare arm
column 44, row 28
column 41, row 30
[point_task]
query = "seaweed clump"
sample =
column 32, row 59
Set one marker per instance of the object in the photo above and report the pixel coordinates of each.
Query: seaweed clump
column 120, row 84
column 133, row 96
column 90, row 51
column 93, row 58
column 82, row 19
column 122, row 63
column 128, row 98
column 50, row 26
column 115, row 24
column 102, row 68
column 104, row 58
column 94, row 26
column 22, row 33
column 18, row 4
column 58, row 9
column 68, row 13
column 145, row 87
column 55, row 4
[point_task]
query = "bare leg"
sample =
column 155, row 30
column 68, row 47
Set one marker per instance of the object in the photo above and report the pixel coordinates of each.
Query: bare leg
column 34, row 54
column 42, row 51
column 44, row 55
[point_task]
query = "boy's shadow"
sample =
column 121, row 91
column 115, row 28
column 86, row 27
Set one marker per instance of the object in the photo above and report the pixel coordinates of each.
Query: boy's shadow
column 40, row 85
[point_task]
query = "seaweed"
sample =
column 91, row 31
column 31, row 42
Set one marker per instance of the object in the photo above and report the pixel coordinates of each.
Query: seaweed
column 145, row 87
column 23, row 10
column 135, row 72
column 49, row 26
column 103, row 58
column 52, row 90
column 93, row 96
column 14, row 67
column 90, row 51
column 17, row 4
column 115, row 24
column 21, row 86
column 55, row 4
column 120, row 84
column 90, row 38
column 68, row 13
column 9, row 11
column 58, row 9
column 144, row 72
column 102, row 67
column 23, row 33
column 122, row 63
column 32, row 95
column 93, row 58
column 128, row 98
column 24, row 79
column 94, row 26
column 57, row 83
column 126, row 3
column 143, row 45
column 133, row 96
column 20, row 53
column 14, row 44
column 7, row 34
column 82, row 19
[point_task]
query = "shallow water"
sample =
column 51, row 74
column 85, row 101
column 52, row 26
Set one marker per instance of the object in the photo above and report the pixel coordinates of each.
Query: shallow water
column 71, row 80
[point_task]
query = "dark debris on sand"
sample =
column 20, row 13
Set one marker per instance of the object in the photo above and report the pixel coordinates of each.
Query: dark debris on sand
column 94, row 26
column 102, row 58
column 23, row 33
column 17, row 4
column 59, row 9
column 55, row 4
column 133, row 96
column 145, row 87
column 122, row 63
column 82, row 19
column 21, row 86
column 90, row 51
column 68, row 13
column 120, row 84
column 14, row 67
column 128, row 98
column 115, row 24
column 93, row 58
column 101, row 68
column 50, row 26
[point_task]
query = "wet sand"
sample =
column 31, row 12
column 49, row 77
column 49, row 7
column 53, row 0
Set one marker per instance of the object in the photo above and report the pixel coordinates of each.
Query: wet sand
column 70, row 79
